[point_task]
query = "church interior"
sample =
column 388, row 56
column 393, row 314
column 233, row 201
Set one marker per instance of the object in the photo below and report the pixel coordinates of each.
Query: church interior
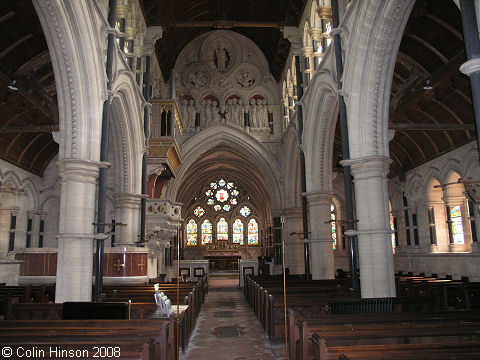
column 310, row 164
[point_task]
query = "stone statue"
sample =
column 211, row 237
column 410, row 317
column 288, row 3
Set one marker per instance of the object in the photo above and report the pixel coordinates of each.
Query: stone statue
column 265, row 113
column 221, row 57
column 191, row 113
column 252, row 113
column 261, row 114
column 215, row 112
column 184, row 112
column 203, row 119
column 240, row 113
column 208, row 113
column 229, row 116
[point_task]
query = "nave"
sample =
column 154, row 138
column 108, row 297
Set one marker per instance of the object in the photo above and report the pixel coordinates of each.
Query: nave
column 227, row 329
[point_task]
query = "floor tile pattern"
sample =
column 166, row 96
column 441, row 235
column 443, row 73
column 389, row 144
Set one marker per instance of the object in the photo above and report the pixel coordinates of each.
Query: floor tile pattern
column 229, row 335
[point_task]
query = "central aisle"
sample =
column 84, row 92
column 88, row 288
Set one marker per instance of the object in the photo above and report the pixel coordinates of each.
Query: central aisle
column 227, row 329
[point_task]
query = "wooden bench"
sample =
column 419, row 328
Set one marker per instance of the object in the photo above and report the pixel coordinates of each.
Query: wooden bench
column 139, row 339
column 380, row 329
column 449, row 350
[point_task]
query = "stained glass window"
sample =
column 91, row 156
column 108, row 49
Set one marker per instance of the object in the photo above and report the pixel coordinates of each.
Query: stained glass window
column 230, row 185
column 213, row 185
column 221, row 183
column 233, row 201
column 245, row 211
column 235, row 192
column 210, row 202
column 457, row 225
column 217, row 207
column 222, row 195
column 392, row 226
column 238, row 232
column 222, row 230
column 206, row 232
column 191, row 233
column 199, row 211
column 209, row 192
column 252, row 232
column 226, row 207
column 333, row 224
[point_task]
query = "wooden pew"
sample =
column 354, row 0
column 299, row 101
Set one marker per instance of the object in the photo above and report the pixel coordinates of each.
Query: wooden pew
column 449, row 350
column 139, row 339
column 370, row 327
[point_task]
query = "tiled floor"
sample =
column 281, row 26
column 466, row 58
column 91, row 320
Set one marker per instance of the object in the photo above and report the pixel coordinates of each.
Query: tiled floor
column 227, row 329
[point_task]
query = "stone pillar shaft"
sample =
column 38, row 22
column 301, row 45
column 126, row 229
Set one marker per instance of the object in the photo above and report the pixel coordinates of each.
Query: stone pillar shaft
column 128, row 213
column 294, row 255
column 373, row 230
column 321, row 248
column 76, row 232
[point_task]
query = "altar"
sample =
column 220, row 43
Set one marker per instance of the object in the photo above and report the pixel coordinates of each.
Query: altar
column 222, row 263
column 222, row 256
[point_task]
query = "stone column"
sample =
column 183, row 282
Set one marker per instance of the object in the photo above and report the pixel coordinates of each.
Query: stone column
column 321, row 248
column 373, row 229
column 294, row 256
column 317, row 47
column 308, row 55
column 128, row 213
column 76, row 232
column 5, row 218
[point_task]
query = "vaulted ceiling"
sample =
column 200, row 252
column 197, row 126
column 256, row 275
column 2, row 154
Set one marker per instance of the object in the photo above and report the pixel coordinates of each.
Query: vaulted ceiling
column 426, row 122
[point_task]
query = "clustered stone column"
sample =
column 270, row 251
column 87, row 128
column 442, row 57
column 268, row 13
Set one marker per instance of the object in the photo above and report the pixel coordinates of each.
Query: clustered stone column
column 76, row 232
column 308, row 55
column 321, row 248
column 373, row 229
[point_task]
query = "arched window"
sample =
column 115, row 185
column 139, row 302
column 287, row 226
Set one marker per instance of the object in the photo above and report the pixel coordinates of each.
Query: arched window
column 191, row 233
column 333, row 223
column 252, row 232
column 222, row 206
column 222, row 229
column 392, row 227
column 206, row 232
column 238, row 232
column 456, row 224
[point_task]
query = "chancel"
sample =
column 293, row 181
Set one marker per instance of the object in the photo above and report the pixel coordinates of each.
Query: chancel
column 300, row 167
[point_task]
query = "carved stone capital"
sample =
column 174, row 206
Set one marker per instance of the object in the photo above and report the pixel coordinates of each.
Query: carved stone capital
column 325, row 12
column 471, row 66
column 307, row 51
column 316, row 33
column 368, row 166
column 80, row 170
column 128, row 200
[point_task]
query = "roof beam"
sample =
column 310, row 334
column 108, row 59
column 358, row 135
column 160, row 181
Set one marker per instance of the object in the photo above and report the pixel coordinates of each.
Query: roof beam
column 438, row 127
column 15, row 44
column 6, row 16
column 29, row 129
column 224, row 24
